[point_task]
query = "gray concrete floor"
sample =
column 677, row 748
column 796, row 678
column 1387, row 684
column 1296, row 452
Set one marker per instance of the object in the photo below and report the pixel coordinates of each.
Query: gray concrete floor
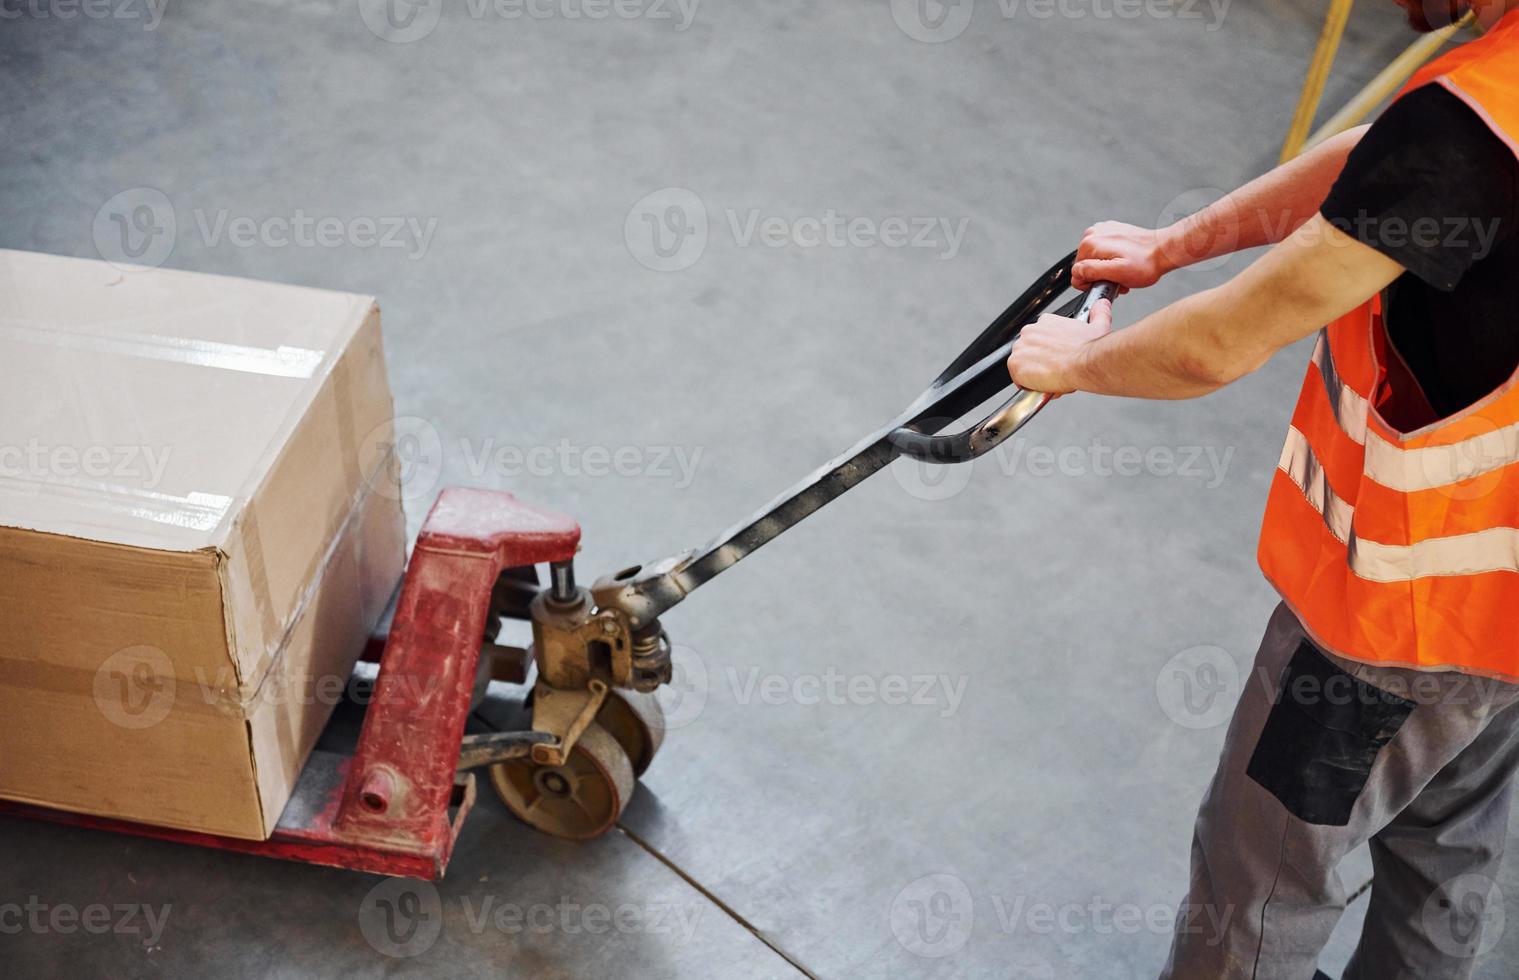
column 1053, row 769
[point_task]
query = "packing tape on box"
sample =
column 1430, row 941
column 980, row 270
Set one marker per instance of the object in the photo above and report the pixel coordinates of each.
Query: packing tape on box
column 270, row 629
column 348, row 444
column 197, row 511
column 348, row 530
column 274, row 627
column 281, row 362
column 125, row 688
column 120, row 687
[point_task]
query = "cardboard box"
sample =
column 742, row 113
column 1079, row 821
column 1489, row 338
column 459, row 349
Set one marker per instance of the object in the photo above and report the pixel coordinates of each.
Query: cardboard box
column 199, row 526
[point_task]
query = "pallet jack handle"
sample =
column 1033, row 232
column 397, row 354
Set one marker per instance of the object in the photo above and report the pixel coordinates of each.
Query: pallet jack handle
column 996, row 428
column 643, row 592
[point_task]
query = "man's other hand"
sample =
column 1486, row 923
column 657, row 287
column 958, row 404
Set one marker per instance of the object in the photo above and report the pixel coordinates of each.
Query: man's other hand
column 1126, row 254
column 1047, row 353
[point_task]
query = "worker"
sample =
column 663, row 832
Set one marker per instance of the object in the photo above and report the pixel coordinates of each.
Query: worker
column 1384, row 703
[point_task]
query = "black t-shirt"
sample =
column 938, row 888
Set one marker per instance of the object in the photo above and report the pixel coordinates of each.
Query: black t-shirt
column 1433, row 188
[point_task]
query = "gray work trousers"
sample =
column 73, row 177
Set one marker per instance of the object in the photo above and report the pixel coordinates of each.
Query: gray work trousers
column 1322, row 755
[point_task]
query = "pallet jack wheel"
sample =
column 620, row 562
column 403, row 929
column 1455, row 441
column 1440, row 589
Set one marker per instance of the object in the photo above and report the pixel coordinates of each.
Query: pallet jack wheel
column 637, row 721
column 579, row 800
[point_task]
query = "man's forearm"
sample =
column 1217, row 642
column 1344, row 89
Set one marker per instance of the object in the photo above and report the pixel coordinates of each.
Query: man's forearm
column 1167, row 355
column 1204, row 341
column 1264, row 211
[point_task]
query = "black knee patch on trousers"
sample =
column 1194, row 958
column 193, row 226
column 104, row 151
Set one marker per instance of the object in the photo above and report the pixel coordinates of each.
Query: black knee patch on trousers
column 1322, row 737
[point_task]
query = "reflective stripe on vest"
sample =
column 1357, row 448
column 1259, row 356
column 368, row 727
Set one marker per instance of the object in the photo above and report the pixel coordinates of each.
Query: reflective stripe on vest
column 1402, row 548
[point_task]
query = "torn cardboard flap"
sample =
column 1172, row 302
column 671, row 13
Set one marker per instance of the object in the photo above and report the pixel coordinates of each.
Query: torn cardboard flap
column 199, row 525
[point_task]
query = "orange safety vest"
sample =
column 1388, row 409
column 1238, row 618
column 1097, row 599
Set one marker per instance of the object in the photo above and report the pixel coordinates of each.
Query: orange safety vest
column 1401, row 547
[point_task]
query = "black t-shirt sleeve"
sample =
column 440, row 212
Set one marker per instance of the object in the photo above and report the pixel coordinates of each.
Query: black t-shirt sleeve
column 1430, row 186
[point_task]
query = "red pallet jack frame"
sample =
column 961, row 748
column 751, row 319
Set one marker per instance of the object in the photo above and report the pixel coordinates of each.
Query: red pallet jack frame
column 396, row 805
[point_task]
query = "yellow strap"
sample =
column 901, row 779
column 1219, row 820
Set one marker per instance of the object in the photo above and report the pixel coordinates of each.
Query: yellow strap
column 1318, row 75
column 1388, row 81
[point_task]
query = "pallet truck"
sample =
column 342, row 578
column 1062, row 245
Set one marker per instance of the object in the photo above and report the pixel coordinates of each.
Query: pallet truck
column 396, row 803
